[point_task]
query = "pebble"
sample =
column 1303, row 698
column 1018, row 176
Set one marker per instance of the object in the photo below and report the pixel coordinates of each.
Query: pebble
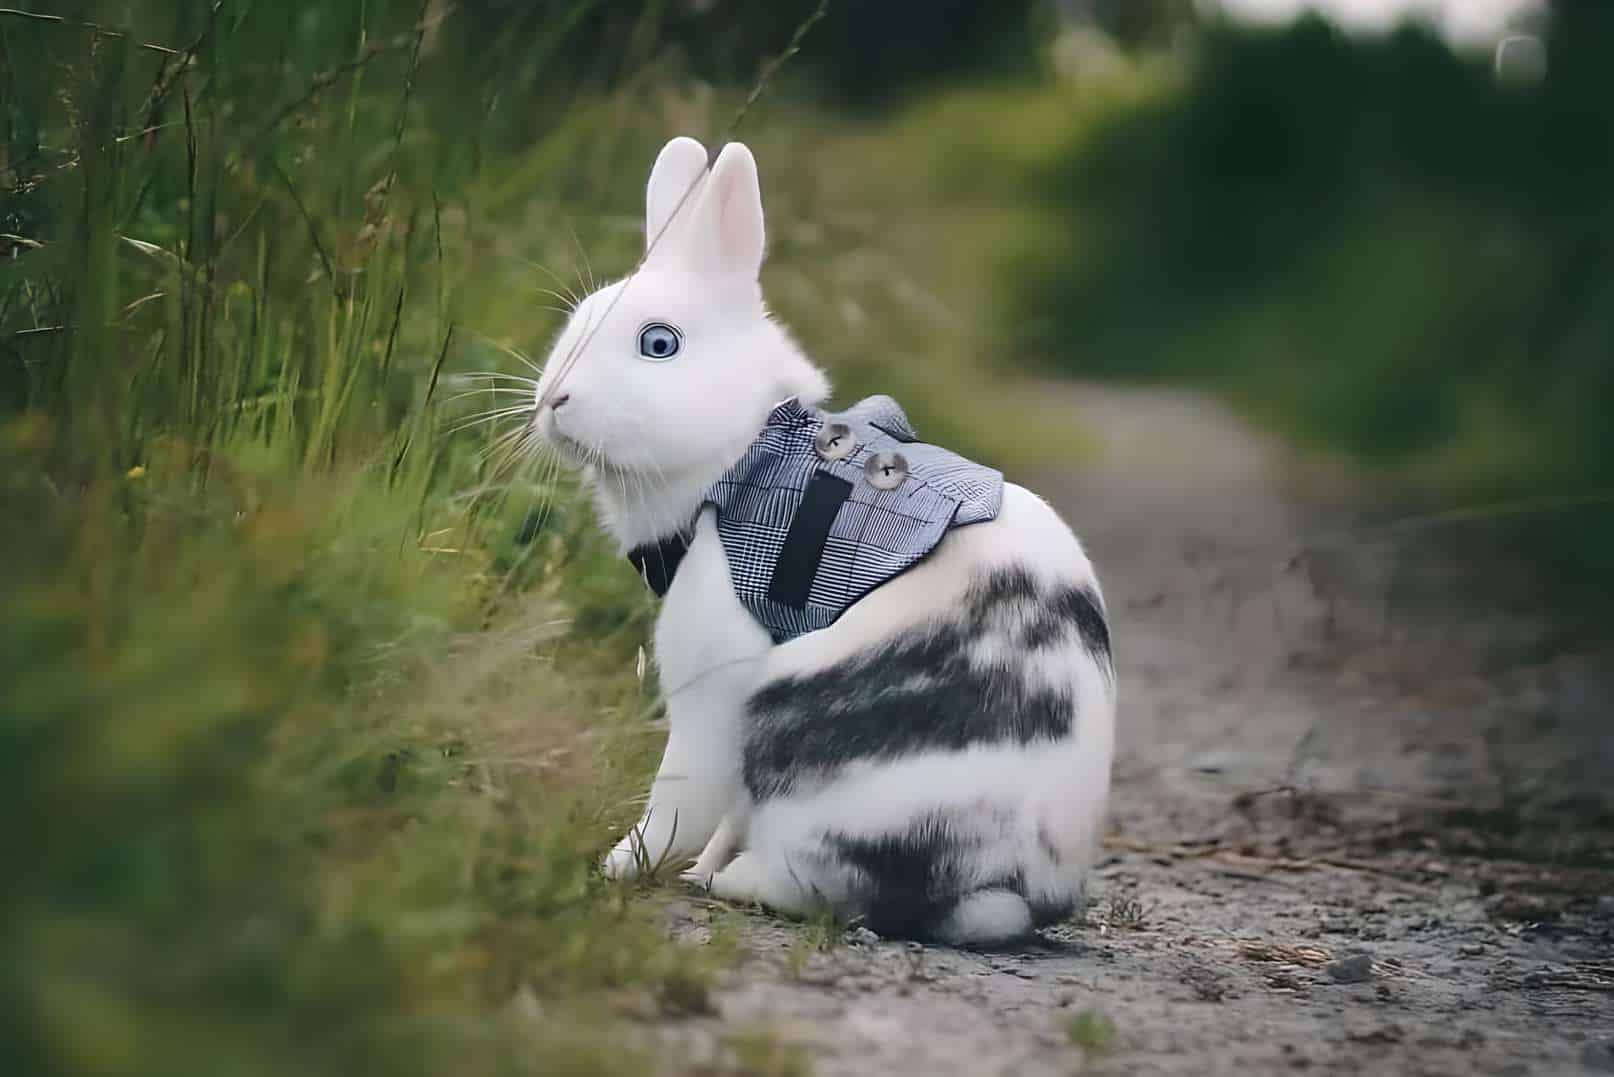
column 1354, row 969
column 1014, row 970
column 1284, row 981
column 1208, row 984
column 1599, row 1054
column 1605, row 906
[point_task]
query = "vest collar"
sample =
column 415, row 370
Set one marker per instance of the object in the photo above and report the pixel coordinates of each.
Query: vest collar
column 657, row 562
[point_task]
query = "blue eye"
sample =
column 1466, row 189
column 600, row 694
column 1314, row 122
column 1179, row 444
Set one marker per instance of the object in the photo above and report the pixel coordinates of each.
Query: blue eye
column 659, row 342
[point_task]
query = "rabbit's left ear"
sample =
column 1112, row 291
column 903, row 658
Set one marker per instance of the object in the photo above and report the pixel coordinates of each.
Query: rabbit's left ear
column 673, row 191
column 728, row 230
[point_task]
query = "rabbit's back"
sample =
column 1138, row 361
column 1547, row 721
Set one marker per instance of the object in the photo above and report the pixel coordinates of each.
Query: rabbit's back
column 937, row 761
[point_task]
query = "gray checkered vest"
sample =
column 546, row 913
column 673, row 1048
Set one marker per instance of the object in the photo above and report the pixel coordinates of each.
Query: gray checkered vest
column 811, row 521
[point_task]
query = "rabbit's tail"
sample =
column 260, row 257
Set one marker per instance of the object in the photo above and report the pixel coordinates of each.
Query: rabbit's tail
column 986, row 918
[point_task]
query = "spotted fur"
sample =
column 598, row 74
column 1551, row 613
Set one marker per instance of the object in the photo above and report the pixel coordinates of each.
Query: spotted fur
column 945, row 686
column 923, row 690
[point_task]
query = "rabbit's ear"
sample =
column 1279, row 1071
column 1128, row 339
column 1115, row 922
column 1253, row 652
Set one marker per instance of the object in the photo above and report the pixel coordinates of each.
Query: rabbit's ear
column 674, row 189
column 729, row 234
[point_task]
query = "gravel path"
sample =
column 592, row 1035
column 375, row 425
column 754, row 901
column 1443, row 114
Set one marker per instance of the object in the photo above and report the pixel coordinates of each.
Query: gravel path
column 1358, row 825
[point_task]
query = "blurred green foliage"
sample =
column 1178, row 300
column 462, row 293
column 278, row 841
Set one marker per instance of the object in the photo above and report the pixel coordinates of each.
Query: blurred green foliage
column 289, row 782
column 861, row 53
column 319, row 705
column 1375, row 244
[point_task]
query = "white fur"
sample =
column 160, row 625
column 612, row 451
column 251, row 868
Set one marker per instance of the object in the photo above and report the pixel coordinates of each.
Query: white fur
column 654, row 436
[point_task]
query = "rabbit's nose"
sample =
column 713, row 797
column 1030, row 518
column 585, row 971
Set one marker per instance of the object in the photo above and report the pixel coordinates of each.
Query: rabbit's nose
column 559, row 401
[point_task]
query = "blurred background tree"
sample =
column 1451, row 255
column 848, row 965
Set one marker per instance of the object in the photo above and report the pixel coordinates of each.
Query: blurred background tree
column 1373, row 242
column 1144, row 24
column 861, row 53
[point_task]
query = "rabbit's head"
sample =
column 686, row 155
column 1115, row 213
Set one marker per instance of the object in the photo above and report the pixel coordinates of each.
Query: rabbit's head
column 660, row 381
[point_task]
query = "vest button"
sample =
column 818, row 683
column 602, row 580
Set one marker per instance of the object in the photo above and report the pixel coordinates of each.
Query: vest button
column 886, row 470
column 835, row 442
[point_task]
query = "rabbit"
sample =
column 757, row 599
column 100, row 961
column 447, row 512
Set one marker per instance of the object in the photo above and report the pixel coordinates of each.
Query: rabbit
column 934, row 763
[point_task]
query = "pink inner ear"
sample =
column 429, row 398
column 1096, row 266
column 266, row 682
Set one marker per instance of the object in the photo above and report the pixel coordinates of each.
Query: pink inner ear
column 733, row 211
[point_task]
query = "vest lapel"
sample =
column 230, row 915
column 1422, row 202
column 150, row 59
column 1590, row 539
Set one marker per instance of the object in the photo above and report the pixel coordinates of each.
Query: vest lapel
column 657, row 562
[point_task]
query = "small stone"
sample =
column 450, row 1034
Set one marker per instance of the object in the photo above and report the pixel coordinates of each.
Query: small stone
column 1522, row 908
column 862, row 936
column 1355, row 969
column 1605, row 906
column 1598, row 1055
column 1208, row 984
column 1012, row 970
column 1382, row 1034
column 1471, row 949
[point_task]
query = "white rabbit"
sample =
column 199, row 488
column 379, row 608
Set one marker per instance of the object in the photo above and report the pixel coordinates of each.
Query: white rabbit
column 936, row 760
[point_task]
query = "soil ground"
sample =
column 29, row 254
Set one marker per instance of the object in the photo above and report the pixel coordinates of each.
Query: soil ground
column 1360, row 820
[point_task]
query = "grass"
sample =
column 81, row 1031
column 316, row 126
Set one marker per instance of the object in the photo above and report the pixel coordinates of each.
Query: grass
column 1092, row 1031
column 820, row 934
column 319, row 708
column 309, row 757
column 1126, row 911
column 758, row 1053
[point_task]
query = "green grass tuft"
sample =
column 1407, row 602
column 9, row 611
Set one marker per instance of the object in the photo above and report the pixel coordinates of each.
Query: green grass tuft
column 1092, row 1031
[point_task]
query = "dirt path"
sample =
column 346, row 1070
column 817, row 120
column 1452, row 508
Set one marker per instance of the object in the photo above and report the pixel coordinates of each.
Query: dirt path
column 1353, row 829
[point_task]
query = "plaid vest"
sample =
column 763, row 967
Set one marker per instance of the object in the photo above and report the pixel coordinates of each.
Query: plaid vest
column 823, row 508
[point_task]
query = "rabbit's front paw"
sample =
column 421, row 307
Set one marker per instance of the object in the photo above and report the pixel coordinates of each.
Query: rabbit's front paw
column 698, row 879
column 623, row 862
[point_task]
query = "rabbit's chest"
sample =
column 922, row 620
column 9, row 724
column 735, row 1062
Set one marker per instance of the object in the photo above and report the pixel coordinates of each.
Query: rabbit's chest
column 704, row 634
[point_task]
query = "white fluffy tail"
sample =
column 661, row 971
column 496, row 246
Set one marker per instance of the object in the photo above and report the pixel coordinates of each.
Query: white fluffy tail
column 986, row 918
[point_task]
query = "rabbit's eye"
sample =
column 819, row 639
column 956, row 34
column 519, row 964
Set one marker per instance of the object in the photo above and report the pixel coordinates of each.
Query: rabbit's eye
column 659, row 342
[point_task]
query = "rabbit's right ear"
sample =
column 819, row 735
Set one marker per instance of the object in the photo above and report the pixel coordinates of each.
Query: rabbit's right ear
column 673, row 191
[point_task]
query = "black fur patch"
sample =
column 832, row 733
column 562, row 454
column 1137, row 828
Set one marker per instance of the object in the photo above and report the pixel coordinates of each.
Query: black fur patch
column 1044, row 913
column 914, row 880
column 1071, row 608
column 1001, row 587
column 921, row 691
column 911, row 695
column 913, row 877
column 1045, row 840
